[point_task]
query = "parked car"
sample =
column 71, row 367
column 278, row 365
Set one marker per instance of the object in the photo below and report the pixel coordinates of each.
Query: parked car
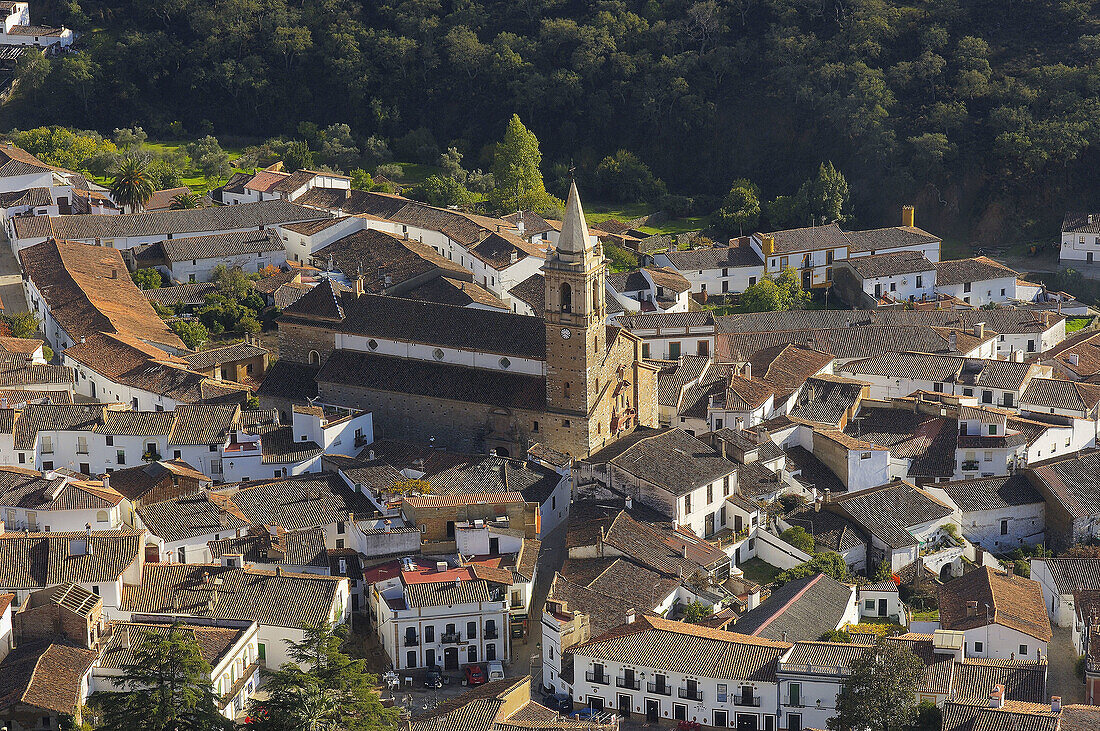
column 433, row 678
column 474, row 675
column 560, row 702
column 495, row 669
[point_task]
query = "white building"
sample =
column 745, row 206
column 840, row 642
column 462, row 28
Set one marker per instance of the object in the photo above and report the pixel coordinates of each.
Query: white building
column 1001, row 615
column 656, row 675
column 443, row 616
column 56, row 502
column 668, row 335
column 228, row 646
column 273, row 184
column 648, row 289
column 18, row 31
column 102, row 562
column 188, row 259
column 1080, row 238
column 137, row 229
column 977, row 281
column 1060, row 579
column 278, row 602
column 717, row 270
column 998, row 514
column 904, row 276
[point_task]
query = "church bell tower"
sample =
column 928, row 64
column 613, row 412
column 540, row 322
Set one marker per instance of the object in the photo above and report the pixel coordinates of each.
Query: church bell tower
column 576, row 336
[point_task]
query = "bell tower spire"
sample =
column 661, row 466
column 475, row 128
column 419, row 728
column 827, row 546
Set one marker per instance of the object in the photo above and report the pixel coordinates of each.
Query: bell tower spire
column 576, row 336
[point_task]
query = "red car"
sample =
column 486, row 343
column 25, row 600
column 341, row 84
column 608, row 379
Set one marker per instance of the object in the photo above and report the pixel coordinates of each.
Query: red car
column 475, row 675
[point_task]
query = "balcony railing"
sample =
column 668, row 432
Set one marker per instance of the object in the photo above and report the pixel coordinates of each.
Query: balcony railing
column 450, row 638
column 594, row 677
column 632, row 683
column 659, row 689
column 411, row 641
column 491, row 634
column 969, row 465
column 692, row 694
column 740, row 700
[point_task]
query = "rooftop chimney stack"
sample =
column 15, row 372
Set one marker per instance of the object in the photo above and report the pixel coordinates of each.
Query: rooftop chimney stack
column 630, row 615
column 952, row 341
column 997, row 696
column 908, row 216
column 972, row 609
column 1056, row 704
column 979, row 329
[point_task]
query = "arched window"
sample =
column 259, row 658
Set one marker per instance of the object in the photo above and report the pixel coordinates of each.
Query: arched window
column 314, row 358
column 101, row 516
column 566, row 297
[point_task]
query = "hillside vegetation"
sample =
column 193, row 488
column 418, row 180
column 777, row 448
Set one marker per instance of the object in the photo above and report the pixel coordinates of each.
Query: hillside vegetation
column 983, row 112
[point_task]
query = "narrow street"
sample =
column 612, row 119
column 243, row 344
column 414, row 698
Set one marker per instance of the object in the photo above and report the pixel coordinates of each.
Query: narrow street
column 1061, row 659
column 526, row 657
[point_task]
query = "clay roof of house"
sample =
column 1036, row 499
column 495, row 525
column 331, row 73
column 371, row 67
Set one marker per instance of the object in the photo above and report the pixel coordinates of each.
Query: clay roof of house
column 45, row 675
column 88, row 290
column 1014, row 602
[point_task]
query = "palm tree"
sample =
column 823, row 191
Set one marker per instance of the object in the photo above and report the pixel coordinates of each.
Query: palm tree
column 133, row 185
column 185, row 200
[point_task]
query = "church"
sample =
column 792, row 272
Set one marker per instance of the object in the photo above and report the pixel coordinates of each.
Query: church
column 480, row 380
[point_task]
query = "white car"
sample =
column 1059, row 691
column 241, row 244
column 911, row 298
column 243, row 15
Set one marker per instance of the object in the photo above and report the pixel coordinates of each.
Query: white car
column 496, row 670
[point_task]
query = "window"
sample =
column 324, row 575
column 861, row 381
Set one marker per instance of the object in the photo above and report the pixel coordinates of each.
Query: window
column 47, row 444
column 429, row 633
column 987, row 397
column 1023, row 650
column 968, row 392
column 795, row 693
column 102, row 516
column 110, row 441
column 869, row 605
column 979, row 647
column 920, row 281
column 721, row 692
column 314, row 357
column 674, row 350
column 865, row 455
column 340, row 526
column 966, row 286
column 687, row 503
column 710, row 493
column 438, row 354
column 213, row 447
column 645, row 350
column 1004, row 527
column 1002, row 292
column 893, row 287
column 120, row 456
column 47, row 466
column 726, row 486
column 992, row 430
column 504, row 363
column 703, row 347
column 535, row 427
column 471, row 630
column 566, row 423
column 937, row 387
column 82, row 445
column 1008, row 398
column 565, row 390
column 752, row 280
column 794, row 722
column 566, row 297
column 22, row 458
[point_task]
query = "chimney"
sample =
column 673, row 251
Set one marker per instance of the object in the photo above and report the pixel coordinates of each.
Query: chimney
column 87, row 530
column 1017, row 356
column 908, row 216
column 106, row 482
column 629, row 503
column 684, row 550
column 1056, row 704
column 1073, row 359
column 1011, row 569
column 125, row 640
column 722, row 447
column 278, row 570
column 370, row 455
column 359, row 288
column 997, row 696
column 630, row 615
column 972, row 609
column 746, row 371
column 979, row 329
column 440, row 566
column 952, row 340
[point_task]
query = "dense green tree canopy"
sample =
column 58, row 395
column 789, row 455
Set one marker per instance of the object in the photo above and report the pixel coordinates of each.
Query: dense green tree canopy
column 964, row 107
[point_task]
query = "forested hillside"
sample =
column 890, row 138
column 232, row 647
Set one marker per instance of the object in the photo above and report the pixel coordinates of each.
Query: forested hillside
column 983, row 112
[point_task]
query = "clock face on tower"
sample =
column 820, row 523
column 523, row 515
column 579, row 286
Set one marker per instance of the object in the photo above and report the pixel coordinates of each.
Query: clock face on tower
column 566, row 333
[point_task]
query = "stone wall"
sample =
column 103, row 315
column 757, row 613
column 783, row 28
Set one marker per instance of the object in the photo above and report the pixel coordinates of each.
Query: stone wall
column 296, row 341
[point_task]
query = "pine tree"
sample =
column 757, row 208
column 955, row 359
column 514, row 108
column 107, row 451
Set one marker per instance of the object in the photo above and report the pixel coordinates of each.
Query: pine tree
column 166, row 687
column 323, row 688
column 519, row 184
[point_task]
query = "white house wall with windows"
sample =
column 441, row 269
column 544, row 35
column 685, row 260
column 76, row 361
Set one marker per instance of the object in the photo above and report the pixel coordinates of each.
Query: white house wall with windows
column 1080, row 238
column 656, row 676
column 440, row 616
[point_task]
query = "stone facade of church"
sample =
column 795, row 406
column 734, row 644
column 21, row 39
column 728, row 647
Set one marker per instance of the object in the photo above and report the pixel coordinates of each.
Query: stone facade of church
column 593, row 387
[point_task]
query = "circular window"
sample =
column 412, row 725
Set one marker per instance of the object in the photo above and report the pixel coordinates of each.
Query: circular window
column 372, row 344
column 438, row 354
column 504, row 362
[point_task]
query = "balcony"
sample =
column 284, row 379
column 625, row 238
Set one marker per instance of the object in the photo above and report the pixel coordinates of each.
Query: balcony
column 597, row 677
column 662, row 689
column 361, row 440
column 691, row 694
column 450, row 638
column 632, row 683
column 411, row 641
column 740, row 700
column 969, row 465
column 491, row 634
